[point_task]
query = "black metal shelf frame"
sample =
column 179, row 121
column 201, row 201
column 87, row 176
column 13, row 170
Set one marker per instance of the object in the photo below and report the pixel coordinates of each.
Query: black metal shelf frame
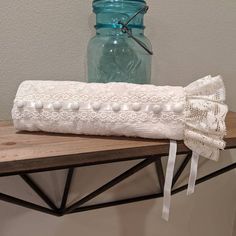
column 52, row 209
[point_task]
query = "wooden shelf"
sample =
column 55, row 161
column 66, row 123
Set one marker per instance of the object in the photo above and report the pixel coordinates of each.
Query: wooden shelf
column 30, row 152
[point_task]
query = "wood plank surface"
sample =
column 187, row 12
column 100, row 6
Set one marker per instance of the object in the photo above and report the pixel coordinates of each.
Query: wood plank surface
column 26, row 152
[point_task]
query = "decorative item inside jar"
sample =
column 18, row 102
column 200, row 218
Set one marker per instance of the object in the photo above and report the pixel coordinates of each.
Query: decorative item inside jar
column 119, row 52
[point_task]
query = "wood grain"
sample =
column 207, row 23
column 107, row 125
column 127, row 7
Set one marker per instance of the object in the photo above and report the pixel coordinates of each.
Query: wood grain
column 26, row 152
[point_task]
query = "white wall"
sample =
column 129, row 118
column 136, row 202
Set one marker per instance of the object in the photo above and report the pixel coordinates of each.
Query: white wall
column 47, row 39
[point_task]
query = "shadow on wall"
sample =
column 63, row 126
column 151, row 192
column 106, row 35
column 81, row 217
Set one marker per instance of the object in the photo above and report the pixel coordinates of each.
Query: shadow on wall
column 234, row 227
column 133, row 222
column 9, row 213
column 144, row 218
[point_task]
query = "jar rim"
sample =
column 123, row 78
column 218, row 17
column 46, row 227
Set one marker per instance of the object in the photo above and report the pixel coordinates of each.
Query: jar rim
column 110, row 5
column 142, row 1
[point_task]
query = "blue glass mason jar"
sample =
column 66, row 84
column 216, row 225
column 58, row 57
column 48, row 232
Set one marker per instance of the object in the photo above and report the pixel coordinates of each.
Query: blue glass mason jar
column 119, row 52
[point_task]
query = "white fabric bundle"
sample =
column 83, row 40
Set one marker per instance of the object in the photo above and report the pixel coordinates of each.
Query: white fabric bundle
column 195, row 114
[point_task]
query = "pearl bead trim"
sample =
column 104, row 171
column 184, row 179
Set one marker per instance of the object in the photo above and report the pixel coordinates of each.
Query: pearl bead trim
column 98, row 106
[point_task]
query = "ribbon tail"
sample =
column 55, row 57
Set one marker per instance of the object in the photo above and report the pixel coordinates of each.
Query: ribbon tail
column 193, row 173
column 169, row 179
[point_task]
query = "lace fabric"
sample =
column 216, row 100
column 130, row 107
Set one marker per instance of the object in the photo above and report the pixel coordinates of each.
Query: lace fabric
column 205, row 114
column 124, row 109
column 195, row 114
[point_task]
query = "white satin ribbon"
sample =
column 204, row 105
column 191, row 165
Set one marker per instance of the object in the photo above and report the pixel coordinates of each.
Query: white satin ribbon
column 169, row 179
column 193, row 173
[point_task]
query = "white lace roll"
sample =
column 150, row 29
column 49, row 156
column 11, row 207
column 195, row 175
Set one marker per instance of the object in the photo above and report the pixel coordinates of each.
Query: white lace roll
column 195, row 114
